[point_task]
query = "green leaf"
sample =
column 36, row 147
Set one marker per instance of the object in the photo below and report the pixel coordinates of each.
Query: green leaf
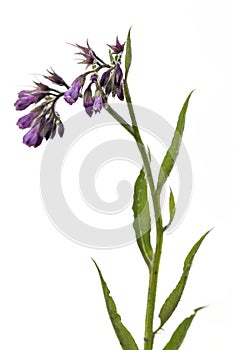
column 172, row 206
column 128, row 55
column 173, row 151
column 172, row 301
column 180, row 333
column 172, row 209
column 142, row 221
column 125, row 338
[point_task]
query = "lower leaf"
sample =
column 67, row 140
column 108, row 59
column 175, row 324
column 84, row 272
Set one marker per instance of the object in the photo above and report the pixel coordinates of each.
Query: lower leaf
column 125, row 338
column 180, row 332
column 172, row 301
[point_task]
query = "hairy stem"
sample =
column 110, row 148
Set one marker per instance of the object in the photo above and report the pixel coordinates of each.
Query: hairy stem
column 153, row 281
column 153, row 277
column 120, row 120
column 155, row 193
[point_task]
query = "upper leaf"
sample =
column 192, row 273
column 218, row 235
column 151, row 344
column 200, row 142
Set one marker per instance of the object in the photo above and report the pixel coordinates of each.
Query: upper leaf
column 172, row 301
column 172, row 209
column 180, row 332
column 128, row 55
column 125, row 338
column 173, row 151
column 142, row 221
column 172, row 206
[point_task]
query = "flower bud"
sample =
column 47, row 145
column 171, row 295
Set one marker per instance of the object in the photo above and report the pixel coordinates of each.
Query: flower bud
column 88, row 100
column 55, row 78
column 61, row 129
column 72, row 94
column 98, row 101
column 26, row 121
column 105, row 78
column 33, row 137
column 118, row 75
column 120, row 93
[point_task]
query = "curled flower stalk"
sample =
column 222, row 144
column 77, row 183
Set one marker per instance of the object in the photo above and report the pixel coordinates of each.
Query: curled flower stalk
column 100, row 86
column 97, row 84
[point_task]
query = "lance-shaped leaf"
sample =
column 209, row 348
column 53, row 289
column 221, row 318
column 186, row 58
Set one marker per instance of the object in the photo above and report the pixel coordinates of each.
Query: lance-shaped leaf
column 172, row 301
column 142, row 221
column 180, row 333
column 173, row 151
column 172, row 209
column 125, row 338
column 128, row 55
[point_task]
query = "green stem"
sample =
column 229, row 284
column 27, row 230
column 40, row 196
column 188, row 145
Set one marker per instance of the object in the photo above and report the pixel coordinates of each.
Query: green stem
column 153, row 278
column 140, row 144
column 153, row 281
column 55, row 101
column 155, row 194
column 120, row 120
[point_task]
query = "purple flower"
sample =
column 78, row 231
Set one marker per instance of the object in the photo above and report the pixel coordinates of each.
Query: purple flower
column 88, row 100
column 105, row 78
column 25, row 93
column 26, row 121
column 40, row 87
column 55, row 78
column 94, row 78
column 98, row 102
column 109, row 86
column 118, row 48
column 120, row 93
column 33, row 137
column 118, row 75
column 72, row 94
column 88, row 54
column 25, row 101
column 27, row 97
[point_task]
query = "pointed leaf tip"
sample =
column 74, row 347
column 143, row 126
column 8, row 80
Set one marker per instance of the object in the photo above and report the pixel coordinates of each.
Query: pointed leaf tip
column 172, row 206
column 173, row 151
column 172, row 209
column 178, row 336
column 125, row 338
column 128, row 55
column 172, row 301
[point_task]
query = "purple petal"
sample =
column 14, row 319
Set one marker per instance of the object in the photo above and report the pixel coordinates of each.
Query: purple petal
column 23, row 102
column 120, row 93
column 105, row 78
column 72, row 94
column 118, row 75
column 98, row 104
column 32, row 137
column 26, row 121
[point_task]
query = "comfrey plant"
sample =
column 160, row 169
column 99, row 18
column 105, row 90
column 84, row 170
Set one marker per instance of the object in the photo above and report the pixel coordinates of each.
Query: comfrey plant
column 94, row 87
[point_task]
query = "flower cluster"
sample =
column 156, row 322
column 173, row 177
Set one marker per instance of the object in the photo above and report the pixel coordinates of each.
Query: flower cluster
column 44, row 121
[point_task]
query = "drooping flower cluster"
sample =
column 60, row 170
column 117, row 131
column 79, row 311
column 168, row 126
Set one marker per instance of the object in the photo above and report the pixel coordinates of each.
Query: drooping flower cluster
column 44, row 121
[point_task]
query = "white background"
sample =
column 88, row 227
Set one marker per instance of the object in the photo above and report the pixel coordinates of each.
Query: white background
column 50, row 295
